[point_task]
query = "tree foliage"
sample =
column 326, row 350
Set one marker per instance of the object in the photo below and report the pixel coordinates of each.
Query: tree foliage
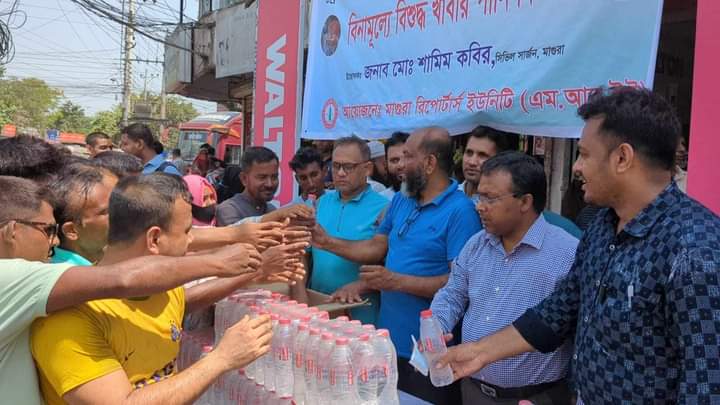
column 27, row 102
column 69, row 117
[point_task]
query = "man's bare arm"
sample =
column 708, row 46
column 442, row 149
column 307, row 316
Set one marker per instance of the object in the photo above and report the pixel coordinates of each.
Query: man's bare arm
column 370, row 251
column 148, row 275
column 242, row 343
column 381, row 279
column 262, row 236
column 203, row 295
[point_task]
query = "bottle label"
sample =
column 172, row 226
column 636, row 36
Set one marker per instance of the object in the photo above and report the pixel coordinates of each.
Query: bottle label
column 309, row 366
column 349, row 380
column 298, row 360
column 429, row 346
column 282, row 353
column 363, row 375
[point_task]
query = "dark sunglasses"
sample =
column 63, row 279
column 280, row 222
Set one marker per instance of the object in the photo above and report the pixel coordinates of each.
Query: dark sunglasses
column 50, row 230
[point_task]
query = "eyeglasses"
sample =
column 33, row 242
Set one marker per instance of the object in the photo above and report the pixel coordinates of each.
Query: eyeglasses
column 346, row 167
column 409, row 221
column 483, row 200
column 49, row 229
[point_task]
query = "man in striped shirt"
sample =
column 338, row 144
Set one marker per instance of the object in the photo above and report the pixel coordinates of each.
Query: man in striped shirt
column 510, row 266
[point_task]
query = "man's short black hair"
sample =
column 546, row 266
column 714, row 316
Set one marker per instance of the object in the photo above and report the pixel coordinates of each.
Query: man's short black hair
column 304, row 157
column 142, row 132
column 93, row 137
column 257, row 154
column 640, row 118
column 358, row 142
column 139, row 203
column 397, row 138
column 71, row 189
column 504, row 141
column 29, row 157
column 528, row 175
column 119, row 163
column 177, row 152
column 21, row 198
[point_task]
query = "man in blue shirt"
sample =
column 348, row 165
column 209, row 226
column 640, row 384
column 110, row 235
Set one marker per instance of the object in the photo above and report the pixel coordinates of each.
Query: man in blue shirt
column 420, row 234
column 510, row 266
column 349, row 212
column 138, row 140
column 642, row 299
column 484, row 143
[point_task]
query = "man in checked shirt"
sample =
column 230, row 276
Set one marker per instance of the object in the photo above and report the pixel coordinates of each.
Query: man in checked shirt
column 511, row 265
column 642, row 300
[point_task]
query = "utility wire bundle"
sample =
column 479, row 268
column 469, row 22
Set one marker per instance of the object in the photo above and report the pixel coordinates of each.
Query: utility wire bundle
column 10, row 18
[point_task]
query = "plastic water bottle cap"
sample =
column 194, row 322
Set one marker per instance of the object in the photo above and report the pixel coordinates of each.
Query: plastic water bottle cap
column 303, row 326
column 275, row 317
column 355, row 322
column 312, row 310
column 292, row 302
column 306, row 318
column 342, row 341
column 364, row 337
column 302, row 305
column 383, row 333
column 276, row 295
column 342, row 318
column 314, row 331
column 207, row 349
column 325, row 315
column 348, row 331
column 426, row 314
column 284, row 321
column 327, row 336
column 369, row 327
column 312, row 197
column 241, row 371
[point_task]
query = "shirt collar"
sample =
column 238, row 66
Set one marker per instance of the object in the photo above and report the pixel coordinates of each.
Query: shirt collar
column 67, row 256
column 357, row 197
column 156, row 161
column 534, row 236
column 641, row 225
column 452, row 188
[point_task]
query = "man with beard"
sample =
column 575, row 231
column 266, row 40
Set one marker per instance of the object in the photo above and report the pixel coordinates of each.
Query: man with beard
column 421, row 234
column 642, row 299
column 395, row 156
column 259, row 175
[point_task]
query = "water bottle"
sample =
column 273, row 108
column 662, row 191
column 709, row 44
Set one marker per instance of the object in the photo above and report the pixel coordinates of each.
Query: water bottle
column 385, row 368
column 282, row 346
column 310, row 355
column 327, row 343
column 299, row 347
column 343, row 390
column 366, row 370
column 311, row 200
column 268, row 360
column 433, row 342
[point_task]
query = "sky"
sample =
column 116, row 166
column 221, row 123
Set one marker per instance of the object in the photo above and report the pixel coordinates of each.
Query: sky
column 80, row 53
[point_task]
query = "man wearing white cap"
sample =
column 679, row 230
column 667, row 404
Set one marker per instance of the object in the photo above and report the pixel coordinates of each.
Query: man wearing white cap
column 377, row 157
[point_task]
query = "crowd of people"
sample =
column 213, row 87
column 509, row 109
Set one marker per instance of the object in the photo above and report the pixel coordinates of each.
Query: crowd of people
column 621, row 309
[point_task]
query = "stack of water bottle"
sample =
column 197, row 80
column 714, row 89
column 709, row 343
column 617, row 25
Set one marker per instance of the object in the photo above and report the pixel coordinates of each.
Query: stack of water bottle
column 313, row 359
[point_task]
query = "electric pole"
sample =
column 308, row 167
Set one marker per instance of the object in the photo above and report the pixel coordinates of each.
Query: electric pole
column 129, row 45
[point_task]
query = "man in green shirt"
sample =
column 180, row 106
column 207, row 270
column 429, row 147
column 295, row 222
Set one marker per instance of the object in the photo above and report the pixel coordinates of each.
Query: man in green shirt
column 30, row 288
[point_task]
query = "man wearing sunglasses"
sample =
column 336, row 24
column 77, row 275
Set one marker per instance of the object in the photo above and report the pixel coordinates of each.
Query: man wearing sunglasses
column 510, row 266
column 420, row 235
column 31, row 289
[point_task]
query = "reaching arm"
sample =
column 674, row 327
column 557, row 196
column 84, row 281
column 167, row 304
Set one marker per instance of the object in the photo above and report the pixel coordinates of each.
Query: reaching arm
column 261, row 236
column 469, row 358
column 203, row 295
column 382, row 279
column 368, row 251
column 242, row 343
column 148, row 275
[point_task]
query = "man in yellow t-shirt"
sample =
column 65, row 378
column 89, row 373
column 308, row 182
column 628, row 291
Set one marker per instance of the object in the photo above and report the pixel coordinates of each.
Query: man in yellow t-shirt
column 101, row 352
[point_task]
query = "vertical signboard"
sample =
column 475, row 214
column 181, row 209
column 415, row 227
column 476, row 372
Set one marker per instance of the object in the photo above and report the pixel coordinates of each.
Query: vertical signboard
column 278, row 82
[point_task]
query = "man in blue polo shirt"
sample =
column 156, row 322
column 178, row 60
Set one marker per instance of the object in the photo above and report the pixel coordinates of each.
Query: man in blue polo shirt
column 138, row 140
column 349, row 212
column 420, row 234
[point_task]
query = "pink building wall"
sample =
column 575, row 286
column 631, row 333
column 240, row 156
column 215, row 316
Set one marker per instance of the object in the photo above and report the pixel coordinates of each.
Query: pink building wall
column 704, row 159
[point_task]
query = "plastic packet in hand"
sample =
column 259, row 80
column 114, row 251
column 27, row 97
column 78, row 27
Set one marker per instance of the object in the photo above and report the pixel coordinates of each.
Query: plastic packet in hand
column 417, row 359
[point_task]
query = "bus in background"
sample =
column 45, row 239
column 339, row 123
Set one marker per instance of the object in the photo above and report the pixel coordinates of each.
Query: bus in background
column 222, row 130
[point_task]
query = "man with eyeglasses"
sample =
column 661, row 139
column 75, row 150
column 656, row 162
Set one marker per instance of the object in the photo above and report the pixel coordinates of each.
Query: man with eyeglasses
column 421, row 234
column 350, row 211
column 508, row 267
column 31, row 289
